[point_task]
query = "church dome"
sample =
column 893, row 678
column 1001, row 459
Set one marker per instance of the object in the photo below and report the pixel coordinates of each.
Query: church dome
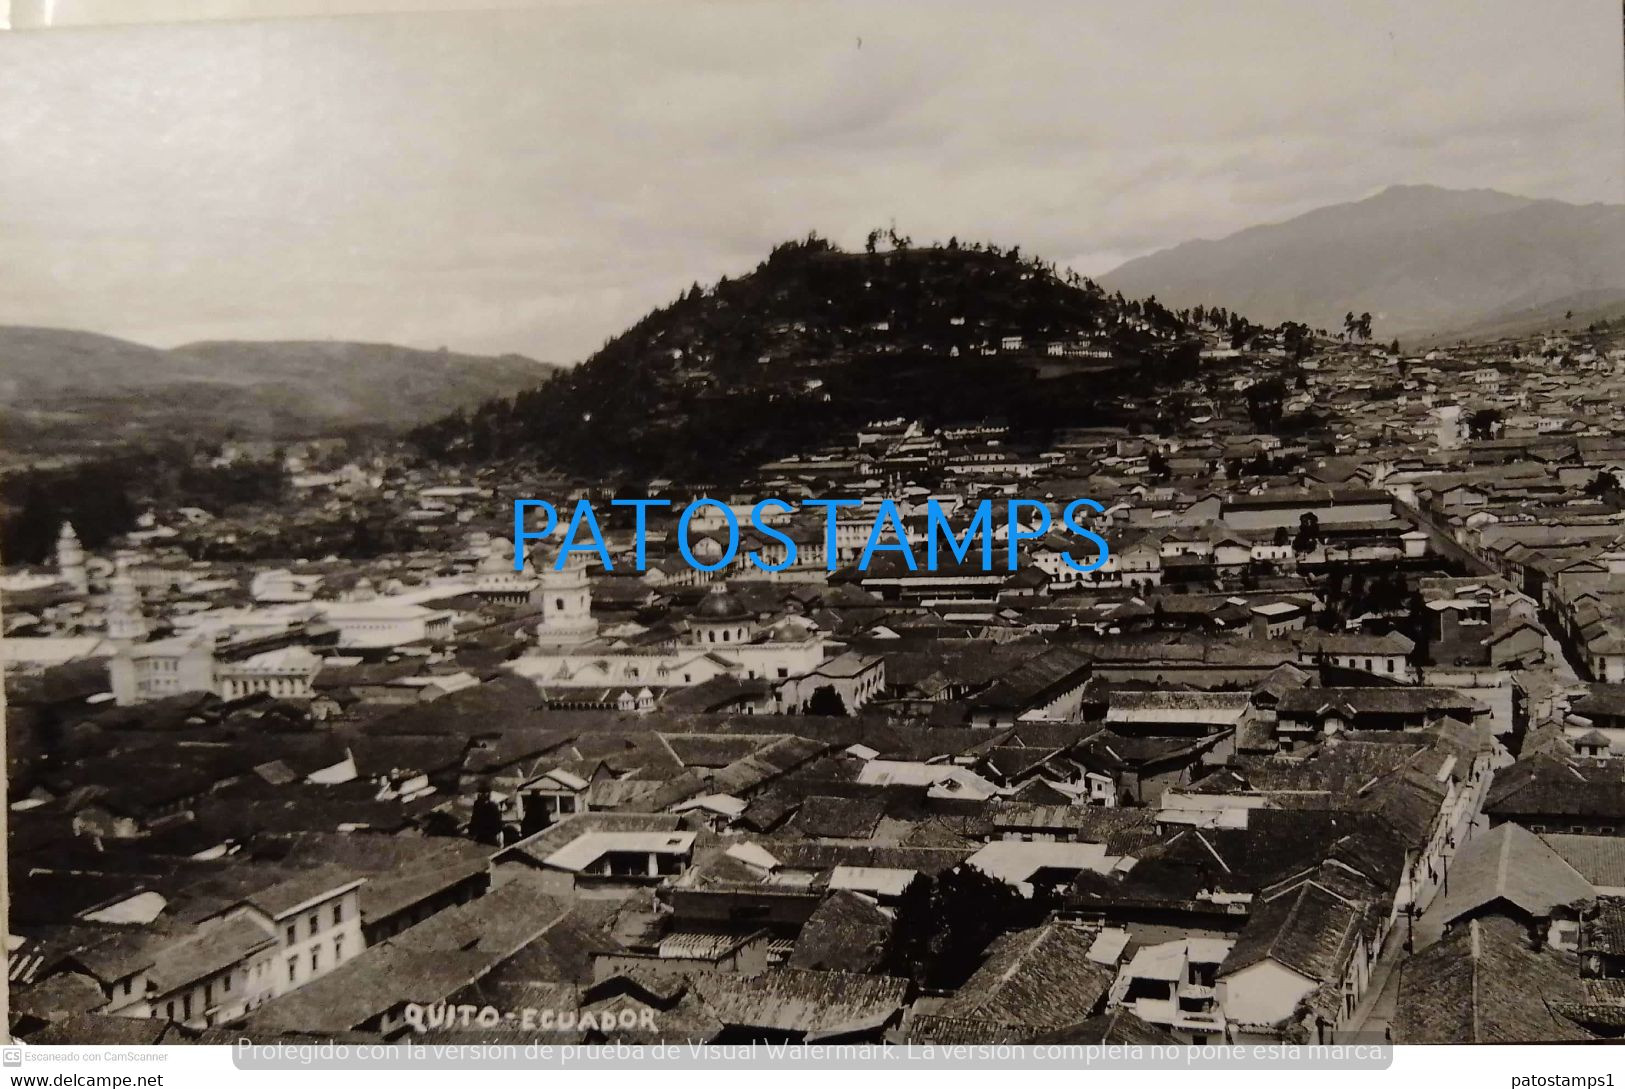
column 721, row 604
column 790, row 631
column 498, row 559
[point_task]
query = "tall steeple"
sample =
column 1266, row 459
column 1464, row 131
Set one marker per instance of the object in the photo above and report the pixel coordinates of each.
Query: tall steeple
column 566, row 603
column 70, row 559
column 125, row 623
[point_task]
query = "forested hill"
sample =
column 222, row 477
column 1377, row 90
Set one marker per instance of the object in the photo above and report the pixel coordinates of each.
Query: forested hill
column 815, row 342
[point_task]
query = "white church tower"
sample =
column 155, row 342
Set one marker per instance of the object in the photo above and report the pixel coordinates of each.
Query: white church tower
column 1447, row 427
column 496, row 580
column 125, row 622
column 566, row 603
column 70, row 560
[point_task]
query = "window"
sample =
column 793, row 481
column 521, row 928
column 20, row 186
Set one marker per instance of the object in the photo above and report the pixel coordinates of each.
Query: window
column 315, row 960
column 338, row 949
column 293, row 969
column 293, row 933
column 186, row 1008
column 338, row 914
column 225, row 982
column 315, row 922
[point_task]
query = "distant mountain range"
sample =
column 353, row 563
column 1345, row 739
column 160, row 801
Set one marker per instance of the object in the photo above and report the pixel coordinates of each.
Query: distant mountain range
column 60, row 385
column 1424, row 261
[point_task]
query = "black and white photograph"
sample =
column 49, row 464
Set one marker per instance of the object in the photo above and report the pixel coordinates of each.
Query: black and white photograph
column 947, row 531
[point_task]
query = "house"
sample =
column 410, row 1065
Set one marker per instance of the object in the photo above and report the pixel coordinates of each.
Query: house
column 623, row 856
column 1025, row 864
column 317, row 918
column 1048, row 686
column 855, row 678
column 682, row 955
column 1031, row 822
column 1544, row 794
column 1172, row 985
column 1512, row 873
column 1309, row 712
column 433, row 961
column 558, row 794
column 1602, row 940
column 601, row 854
column 1276, row 618
column 1298, row 967
column 1386, row 656
column 215, row 976
column 408, row 879
column 277, row 939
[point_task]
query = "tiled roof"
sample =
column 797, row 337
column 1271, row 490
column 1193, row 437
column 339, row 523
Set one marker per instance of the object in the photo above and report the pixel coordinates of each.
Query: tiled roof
column 1040, row 978
column 213, row 950
column 1116, row 1026
column 1486, row 984
column 935, row 1028
column 822, row 816
column 795, row 1000
column 1603, row 929
column 1308, row 929
column 319, row 882
column 1598, row 859
column 1511, row 864
column 848, row 932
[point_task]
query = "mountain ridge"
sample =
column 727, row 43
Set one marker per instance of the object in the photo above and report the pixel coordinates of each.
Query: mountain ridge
column 1422, row 259
column 63, row 385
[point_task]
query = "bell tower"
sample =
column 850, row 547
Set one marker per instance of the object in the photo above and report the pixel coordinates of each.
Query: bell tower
column 125, row 623
column 566, row 603
column 70, row 559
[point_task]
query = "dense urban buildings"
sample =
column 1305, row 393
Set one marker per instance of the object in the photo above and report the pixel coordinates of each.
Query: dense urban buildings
column 1332, row 748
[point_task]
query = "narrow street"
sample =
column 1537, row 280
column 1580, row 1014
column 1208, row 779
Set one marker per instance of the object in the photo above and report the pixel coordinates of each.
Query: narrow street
column 1375, row 1012
column 1376, row 1009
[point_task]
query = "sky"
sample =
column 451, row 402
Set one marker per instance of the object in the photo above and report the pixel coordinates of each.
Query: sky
column 534, row 179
